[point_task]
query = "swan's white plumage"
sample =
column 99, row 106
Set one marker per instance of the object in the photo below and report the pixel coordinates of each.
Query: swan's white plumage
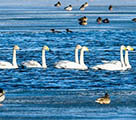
column 31, row 63
column 74, row 65
column 112, row 62
column 68, row 64
column 129, row 48
column 35, row 64
column 126, row 60
column 4, row 63
column 109, row 66
column 8, row 65
column 113, row 65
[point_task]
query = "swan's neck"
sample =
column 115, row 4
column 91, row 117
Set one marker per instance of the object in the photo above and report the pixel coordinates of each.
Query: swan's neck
column 82, row 57
column 126, row 59
column 43, row 59
column 14, row 62
column 76, row 56
column 121, row 58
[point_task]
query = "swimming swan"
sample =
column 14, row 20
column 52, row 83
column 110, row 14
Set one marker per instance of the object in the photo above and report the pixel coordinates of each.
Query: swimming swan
column 127, row 64
column 113, row 65
column 129, row 48
column 8, row 65
column 64, row 63
column 76, row 64
column 34, row 64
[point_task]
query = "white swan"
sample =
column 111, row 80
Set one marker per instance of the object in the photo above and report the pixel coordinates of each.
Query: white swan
column 34, row 64
column 8, row 65
column 82, row 64
column 113, row 65
column 74, row 65
column 121, row 57
column 62, row 63
column 129, row 48
column 127, row 64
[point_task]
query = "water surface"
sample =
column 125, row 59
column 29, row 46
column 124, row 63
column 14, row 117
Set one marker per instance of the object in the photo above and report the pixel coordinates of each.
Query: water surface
column 59, row 94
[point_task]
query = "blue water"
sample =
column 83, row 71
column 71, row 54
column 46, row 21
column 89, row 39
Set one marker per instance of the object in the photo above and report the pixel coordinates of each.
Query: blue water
column 59, row 94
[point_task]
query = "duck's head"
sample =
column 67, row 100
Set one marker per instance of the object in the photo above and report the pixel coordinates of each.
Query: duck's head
column 59, row 2
column 106, row 95
column 86, row 3
column 85, row 18
column 52, row 30
column 67, row 30
column 99, row 20
column 110, row 7
column 106, row 20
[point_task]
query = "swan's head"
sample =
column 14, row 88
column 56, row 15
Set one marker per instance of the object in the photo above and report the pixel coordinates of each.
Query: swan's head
column 45, row 48
column 78, row 47
column 84, row 48
column 130, row 48
column 123, row 47
column 16, row 47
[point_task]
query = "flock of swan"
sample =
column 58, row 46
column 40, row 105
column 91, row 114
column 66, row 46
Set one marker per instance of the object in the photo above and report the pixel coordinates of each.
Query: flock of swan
column 113, row 65
column 117, row 65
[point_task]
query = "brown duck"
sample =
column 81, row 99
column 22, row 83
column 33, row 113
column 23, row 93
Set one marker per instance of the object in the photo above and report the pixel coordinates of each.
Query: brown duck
column 104, row 100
